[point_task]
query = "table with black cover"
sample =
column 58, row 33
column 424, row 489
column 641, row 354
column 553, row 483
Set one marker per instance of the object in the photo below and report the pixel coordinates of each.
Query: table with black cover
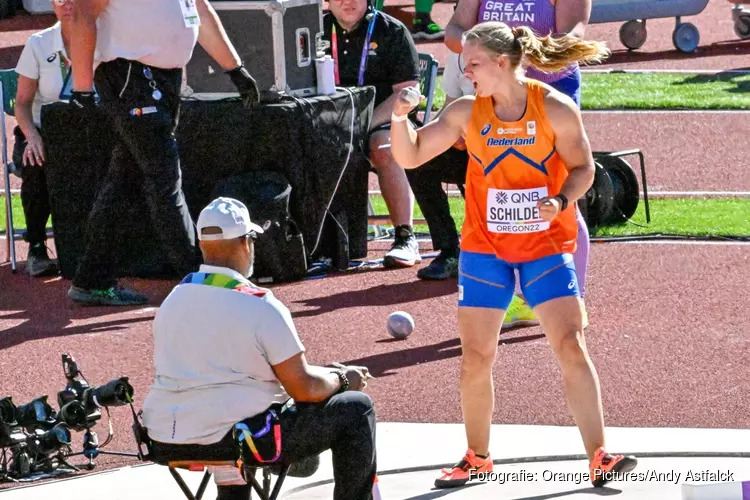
column 306, row 140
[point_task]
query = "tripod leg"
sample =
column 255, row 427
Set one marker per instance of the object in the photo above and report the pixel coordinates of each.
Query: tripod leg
column 67, row 464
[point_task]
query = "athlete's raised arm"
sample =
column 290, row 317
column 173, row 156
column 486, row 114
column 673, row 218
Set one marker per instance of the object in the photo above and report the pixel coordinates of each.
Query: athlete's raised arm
column 412, row 148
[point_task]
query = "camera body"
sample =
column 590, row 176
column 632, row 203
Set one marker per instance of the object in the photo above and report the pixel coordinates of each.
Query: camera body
column 34, row 436
column 39, row 439
column 80, row 404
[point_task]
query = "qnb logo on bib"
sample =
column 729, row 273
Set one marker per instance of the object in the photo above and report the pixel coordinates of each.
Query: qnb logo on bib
column 515, row 12
column 515, row 210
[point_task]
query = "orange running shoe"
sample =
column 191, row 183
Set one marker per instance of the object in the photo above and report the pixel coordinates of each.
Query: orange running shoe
column 605, row 467
column 464, row 471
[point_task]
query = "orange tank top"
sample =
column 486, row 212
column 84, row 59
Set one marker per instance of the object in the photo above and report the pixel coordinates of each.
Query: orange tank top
column 511, row 166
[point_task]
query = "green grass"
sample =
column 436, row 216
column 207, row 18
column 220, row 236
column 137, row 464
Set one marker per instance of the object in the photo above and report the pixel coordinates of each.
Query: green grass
column 680, row 216
column 656, row 91
column 665, row 90
column 687, row 216
column 19, row 221
column 677, row 216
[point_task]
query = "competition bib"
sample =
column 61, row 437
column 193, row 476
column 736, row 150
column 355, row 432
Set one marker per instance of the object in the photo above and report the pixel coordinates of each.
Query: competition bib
column 190, row 13
column 515, row 210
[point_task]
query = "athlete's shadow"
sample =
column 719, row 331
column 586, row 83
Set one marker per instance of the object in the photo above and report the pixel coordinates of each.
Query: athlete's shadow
column 386, row 364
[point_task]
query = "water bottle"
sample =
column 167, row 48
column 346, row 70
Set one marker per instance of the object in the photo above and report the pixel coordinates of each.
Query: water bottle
column 324, row 74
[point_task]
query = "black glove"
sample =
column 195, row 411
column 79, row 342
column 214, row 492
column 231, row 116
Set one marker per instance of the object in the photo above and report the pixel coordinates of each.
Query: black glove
column 82, row 100
column 246, row 85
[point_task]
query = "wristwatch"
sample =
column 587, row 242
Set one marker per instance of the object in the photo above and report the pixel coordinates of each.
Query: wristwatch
column 343, row 379
column 563, row 201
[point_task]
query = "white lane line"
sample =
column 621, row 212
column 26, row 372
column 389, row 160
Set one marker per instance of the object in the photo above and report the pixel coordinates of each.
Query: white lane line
column 651, row 194
column 671, row 242
column 666, row 111
column 698, row 194
column 667, row 71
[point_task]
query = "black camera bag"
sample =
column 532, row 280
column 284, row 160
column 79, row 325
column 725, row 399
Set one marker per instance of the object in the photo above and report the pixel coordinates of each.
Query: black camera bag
column 280, row 251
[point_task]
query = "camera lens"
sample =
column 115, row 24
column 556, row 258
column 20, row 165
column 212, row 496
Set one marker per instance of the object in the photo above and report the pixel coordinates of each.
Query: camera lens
column 73, row 414
column 117, row 392
column 50, row 441
column 66, row 396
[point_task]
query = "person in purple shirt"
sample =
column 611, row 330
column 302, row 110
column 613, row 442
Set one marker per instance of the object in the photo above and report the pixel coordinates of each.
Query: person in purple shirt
column 544, row 17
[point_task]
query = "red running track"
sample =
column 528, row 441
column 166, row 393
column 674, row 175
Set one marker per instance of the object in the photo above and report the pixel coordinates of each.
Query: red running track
column 668, row 334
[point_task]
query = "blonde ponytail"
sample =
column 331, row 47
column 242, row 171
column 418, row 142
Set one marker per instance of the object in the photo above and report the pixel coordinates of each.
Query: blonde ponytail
column 553, row 54
column 548, row 53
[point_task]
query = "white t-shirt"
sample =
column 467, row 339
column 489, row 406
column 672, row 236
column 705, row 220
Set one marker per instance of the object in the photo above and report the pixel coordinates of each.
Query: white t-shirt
column 213, row 351
column 152, row 32
column 454, row 83
column 41, row 60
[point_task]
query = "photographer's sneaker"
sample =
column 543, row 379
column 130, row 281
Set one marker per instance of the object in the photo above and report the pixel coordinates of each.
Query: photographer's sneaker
column 38, row 262
column 605, row 467
column 108, row 297
column 440, row 268
column 465, row 470
column 405, row 249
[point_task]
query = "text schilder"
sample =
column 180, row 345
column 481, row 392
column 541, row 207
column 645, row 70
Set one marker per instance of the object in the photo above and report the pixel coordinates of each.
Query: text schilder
column 515, row 210
column 648, row 475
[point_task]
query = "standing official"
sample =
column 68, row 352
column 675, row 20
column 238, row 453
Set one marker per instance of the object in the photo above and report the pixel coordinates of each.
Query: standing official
column 134, row 51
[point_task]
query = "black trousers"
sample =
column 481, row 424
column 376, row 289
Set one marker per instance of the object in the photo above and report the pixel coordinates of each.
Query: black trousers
column 145, row 154
column 425, row 181
column 344, row 424
column 34, row 194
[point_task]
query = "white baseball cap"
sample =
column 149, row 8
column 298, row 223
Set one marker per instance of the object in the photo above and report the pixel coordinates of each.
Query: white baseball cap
column 229, row 216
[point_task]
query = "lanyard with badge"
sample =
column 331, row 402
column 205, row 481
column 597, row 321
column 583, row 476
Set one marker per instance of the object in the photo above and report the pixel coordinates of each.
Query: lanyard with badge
column 365, row 50
column 190, row 13
column 66, row 73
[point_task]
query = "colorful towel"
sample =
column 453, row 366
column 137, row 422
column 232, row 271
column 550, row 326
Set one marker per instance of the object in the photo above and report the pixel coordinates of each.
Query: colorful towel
column 223, row 281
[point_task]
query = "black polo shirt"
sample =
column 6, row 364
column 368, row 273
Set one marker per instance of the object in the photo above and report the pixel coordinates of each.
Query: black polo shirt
column 392, row 57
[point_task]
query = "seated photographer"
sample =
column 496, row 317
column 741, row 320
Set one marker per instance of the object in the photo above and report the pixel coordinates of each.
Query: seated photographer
column 227, row 351
column 371, row 48
column 43, row 70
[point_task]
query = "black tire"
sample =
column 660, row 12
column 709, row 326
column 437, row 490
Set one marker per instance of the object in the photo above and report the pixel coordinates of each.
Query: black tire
column 599, row 198
column 742, row 26
column 625, row 186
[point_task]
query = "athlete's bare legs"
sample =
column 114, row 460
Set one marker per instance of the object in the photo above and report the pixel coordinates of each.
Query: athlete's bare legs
column 479, row 329
column 562, row 322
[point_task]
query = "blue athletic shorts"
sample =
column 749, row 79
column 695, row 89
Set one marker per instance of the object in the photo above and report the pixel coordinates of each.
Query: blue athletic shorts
column 486, row 281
